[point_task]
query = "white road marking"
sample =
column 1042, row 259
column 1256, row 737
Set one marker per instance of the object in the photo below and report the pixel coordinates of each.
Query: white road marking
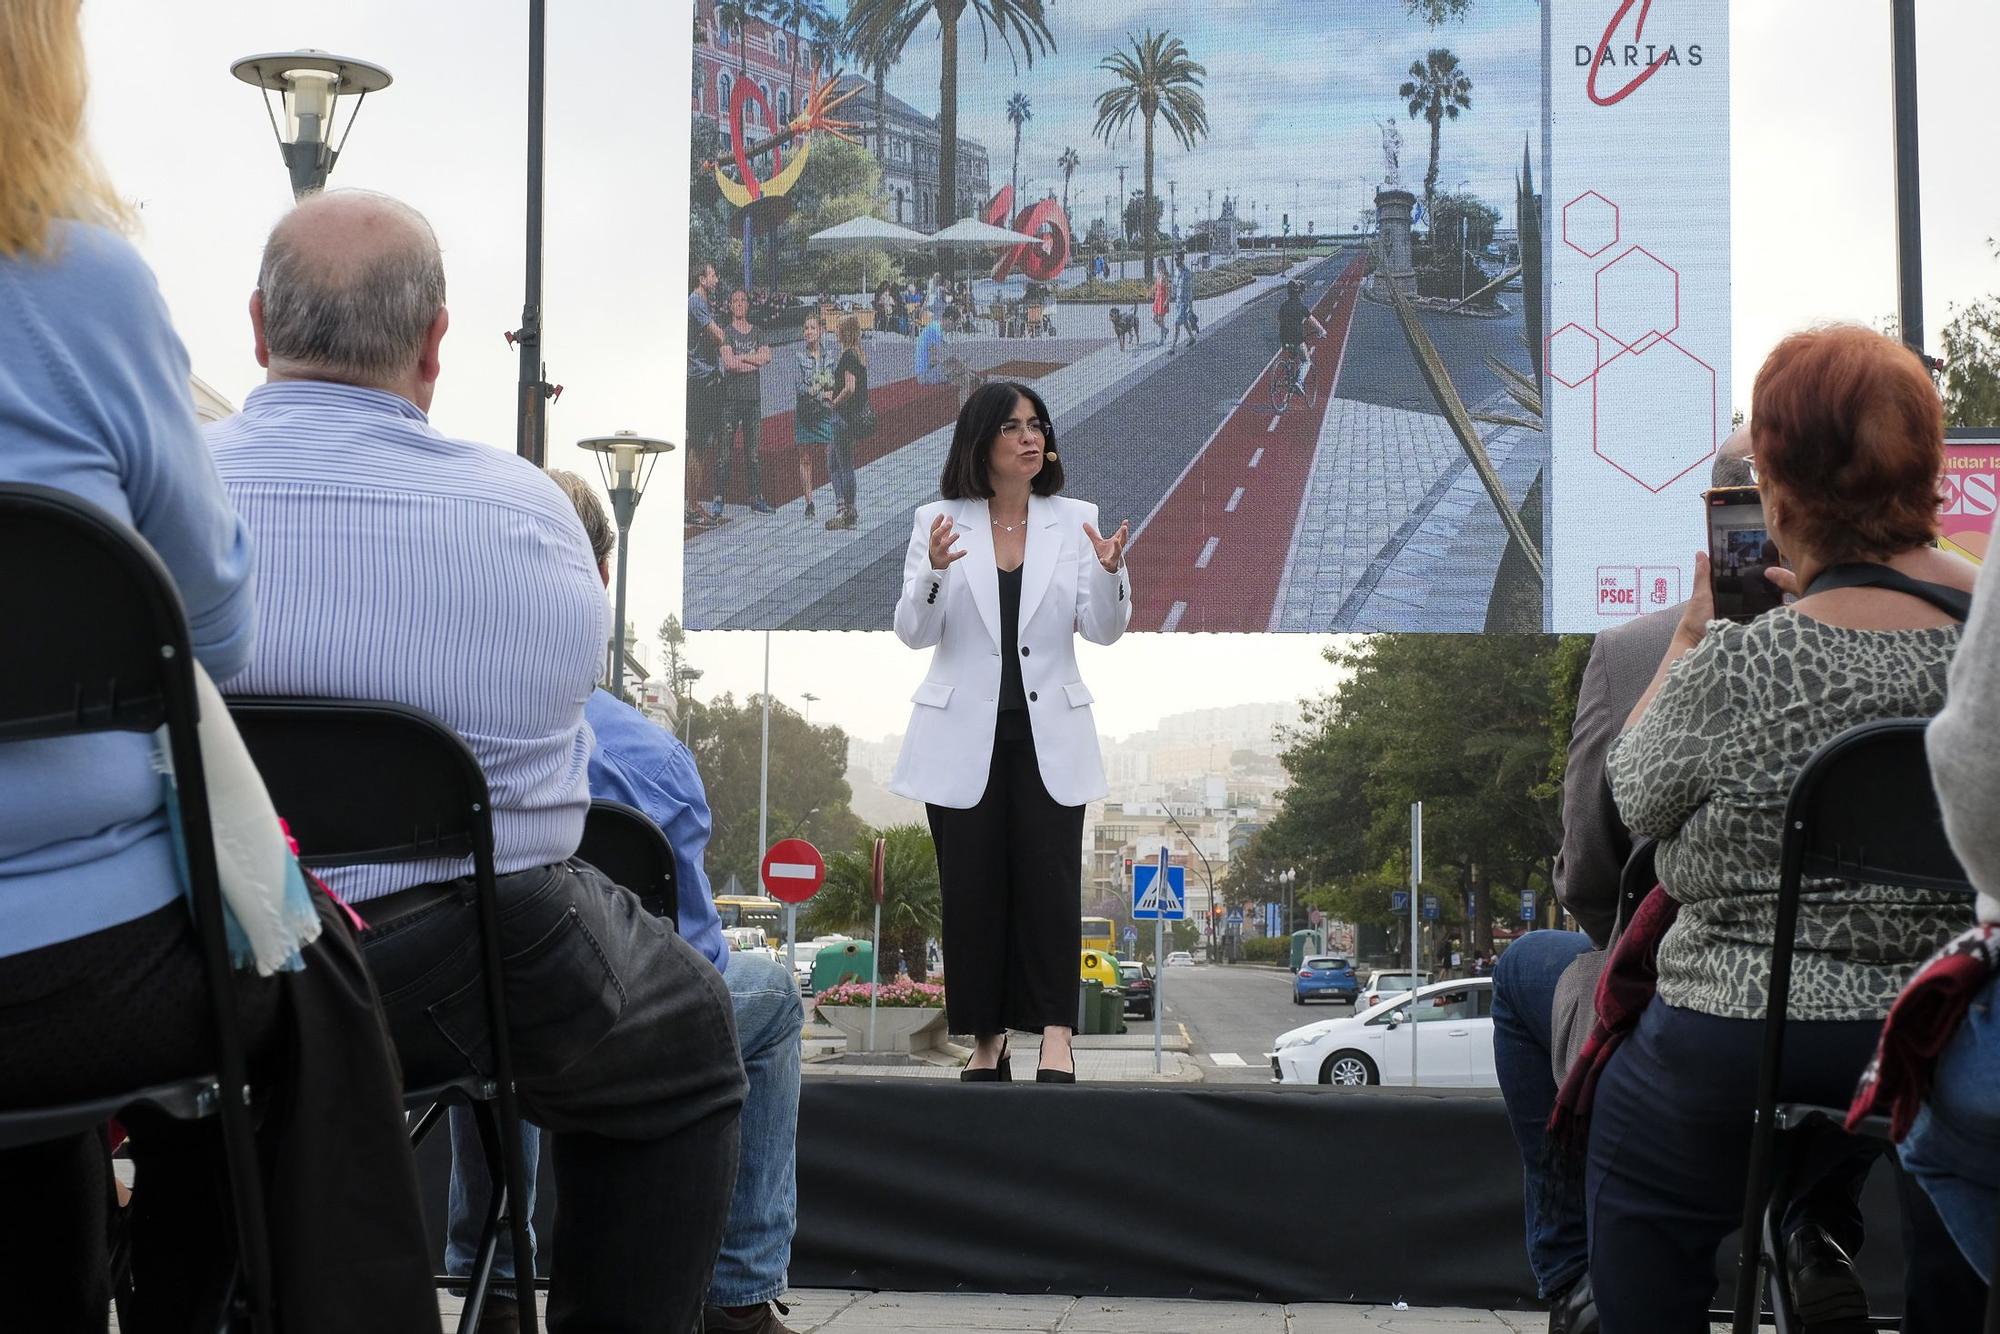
column 1275, row 419
column 1227, row 1058
column 1234, row 501
column 1257, row 456
column 1207, row 553
column 1174, row 614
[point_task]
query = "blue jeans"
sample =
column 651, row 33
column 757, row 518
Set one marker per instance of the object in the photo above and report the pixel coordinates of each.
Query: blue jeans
column 763, row 1211
column 1954, row 1147
column 1524, row 989
column 840, row 463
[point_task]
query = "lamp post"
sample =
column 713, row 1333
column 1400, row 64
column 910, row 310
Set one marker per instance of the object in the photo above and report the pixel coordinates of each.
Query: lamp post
column 810, row 700
column 684, row 680
column 1124, row 241
column 625, row 463
column 1286, row 878
column 311, row 84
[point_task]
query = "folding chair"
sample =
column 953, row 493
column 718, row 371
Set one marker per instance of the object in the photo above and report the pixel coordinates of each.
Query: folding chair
column 112, row 655
column 632, row 851
column 362, row 782
column 1862, row 809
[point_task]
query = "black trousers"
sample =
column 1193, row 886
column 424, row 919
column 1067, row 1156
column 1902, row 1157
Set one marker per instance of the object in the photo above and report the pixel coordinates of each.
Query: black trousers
column 624, row 1045
column 1669, row 1151
column 1011, row 873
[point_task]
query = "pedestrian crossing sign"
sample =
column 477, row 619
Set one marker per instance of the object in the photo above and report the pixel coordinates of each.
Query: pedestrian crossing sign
column 1150, row 901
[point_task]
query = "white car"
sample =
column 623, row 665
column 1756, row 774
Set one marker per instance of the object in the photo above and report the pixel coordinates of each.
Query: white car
column 1179, row 959
column 1454, row 1042
column 1387, row 984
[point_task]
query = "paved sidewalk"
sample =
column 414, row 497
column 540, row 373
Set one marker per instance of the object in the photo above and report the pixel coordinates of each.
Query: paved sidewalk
column 758, row 572
column 829, row 1311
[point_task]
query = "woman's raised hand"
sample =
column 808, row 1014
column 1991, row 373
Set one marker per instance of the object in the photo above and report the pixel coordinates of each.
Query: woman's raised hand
column 942, row 540
column 1110, row 550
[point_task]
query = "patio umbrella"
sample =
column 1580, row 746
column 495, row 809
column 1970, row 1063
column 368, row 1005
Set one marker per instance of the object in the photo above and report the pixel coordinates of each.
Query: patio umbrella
column 865, row 234
column 973, row 234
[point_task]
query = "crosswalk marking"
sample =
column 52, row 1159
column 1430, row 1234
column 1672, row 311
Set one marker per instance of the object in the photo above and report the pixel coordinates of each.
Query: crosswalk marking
column 1227, row 1058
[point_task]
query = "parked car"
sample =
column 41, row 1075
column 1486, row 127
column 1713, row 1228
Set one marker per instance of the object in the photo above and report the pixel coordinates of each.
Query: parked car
column 1326, row 977
column 1137, row 980
column 1454, row 1042
column 1386, row 984
column 1180, row 959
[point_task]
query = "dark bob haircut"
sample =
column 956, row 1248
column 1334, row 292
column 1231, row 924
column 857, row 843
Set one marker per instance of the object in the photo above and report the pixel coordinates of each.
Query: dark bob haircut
column 986, row 410
column 1848, row 425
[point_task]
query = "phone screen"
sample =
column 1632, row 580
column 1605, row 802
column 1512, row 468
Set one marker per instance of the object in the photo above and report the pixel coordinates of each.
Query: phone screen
column 1740, row 549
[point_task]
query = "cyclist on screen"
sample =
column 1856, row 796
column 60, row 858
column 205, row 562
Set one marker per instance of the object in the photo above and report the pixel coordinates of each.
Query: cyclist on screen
column 1293, row 320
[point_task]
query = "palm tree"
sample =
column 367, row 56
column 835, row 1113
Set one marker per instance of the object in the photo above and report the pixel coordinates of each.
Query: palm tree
column 1155, row 79
column 887, row 26
column 735, row 17
column 1019, row 113
column 1067, row 162
column 1437, row 90
column 795, row 16
column 911, row 902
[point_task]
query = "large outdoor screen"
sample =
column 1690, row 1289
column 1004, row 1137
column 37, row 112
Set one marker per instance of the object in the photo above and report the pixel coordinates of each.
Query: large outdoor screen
column 1365, row 314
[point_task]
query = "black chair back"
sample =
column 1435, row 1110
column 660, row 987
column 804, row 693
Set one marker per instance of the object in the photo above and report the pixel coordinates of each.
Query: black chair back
column 1861, row 809
column 112, row 653
column 366, row 781
column 632, row 851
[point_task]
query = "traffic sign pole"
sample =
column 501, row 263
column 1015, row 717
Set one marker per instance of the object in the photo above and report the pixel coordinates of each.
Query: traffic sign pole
column 1416, row 889
column 792, row 872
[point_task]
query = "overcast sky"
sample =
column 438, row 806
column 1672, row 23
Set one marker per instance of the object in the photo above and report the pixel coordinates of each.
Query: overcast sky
column 1813, row 236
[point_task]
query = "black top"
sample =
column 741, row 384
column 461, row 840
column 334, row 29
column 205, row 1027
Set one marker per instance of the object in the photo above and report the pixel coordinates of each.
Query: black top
column 851, row 364
column 1292, row 321
column 1013, row 695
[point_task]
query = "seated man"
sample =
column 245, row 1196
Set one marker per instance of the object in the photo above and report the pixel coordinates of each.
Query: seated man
column 644, row 765
column 1595, row 845
column 396, row 563
column 931, row 368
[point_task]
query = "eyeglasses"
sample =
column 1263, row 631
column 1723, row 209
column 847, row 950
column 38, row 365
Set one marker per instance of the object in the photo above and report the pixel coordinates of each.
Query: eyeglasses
column 1012, row 430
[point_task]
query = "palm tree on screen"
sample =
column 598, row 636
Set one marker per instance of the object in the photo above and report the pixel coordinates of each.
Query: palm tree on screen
column 1067, row 163
column 1155, row 80
column 1436, row 91
column 1019, row 113
column 886, row 26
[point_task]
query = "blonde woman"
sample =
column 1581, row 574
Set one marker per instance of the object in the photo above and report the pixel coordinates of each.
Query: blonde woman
column 850, row 418
column 101, row 989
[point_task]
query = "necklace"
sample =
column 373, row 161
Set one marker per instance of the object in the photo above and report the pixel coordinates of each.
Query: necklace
column 1010, row 527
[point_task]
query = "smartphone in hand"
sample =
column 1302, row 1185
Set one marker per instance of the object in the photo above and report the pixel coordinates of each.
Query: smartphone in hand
column 1740, row 549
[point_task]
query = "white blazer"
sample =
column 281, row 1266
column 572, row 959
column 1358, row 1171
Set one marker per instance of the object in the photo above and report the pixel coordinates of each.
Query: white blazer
column 1065, row 590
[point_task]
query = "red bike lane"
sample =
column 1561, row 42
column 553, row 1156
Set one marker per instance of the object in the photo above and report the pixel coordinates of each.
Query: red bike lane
column 1212, row 555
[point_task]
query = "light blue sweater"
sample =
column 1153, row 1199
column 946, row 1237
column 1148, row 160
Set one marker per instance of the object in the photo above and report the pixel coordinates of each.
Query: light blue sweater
column 94, row 400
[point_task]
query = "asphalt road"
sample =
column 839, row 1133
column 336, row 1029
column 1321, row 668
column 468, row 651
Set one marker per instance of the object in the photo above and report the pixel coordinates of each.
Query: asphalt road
column 1232, row 1012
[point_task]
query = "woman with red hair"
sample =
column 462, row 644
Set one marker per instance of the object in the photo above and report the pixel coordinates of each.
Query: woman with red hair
column 1848, row 440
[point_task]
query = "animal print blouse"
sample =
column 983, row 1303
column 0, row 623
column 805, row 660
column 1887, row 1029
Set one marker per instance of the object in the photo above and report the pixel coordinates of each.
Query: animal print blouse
column 1706, row 771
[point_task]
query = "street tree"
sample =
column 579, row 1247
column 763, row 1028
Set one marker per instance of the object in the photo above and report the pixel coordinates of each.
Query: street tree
column 1067, row 162
column 1020, row 110
column 912, row 902
column 1436, row 91
column 885, row 27
column 1969, row 345
column 808, row 785
column 1156, row 80
column 1438, row 12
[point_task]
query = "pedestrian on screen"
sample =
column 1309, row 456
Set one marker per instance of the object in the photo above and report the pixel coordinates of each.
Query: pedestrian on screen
column 999, row 577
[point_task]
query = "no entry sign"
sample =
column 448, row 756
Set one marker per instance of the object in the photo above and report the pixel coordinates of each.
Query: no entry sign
column 793, row 870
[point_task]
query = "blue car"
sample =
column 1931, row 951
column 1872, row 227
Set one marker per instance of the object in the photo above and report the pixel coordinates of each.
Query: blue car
column 1326, row 977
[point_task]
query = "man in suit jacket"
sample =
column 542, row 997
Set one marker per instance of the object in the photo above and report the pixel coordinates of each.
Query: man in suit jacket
column 1594, row 847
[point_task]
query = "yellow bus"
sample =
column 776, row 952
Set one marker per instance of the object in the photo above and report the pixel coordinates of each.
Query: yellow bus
column 753, row 910
column 1098, row 934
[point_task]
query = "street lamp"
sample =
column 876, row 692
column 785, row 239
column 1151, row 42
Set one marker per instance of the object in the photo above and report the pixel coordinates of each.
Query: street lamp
column 311, row 84
column 684, row 680
column 810, row 700
column 625, row 462
column 1286, row 878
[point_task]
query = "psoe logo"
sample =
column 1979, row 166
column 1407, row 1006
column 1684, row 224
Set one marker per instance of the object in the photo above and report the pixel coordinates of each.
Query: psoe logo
column 1617, row 590
column 1616, row 53
column 1974, row 495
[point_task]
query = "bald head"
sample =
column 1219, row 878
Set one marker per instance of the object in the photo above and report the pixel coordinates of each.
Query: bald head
column 1732, row 461
column 351, row 289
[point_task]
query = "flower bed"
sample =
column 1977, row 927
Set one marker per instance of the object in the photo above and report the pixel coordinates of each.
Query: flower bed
column 900, row 994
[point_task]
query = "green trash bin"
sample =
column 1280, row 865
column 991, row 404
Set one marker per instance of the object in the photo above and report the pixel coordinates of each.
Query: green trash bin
column 1111, row 1010
column 847, row 960
column 1090, row 1006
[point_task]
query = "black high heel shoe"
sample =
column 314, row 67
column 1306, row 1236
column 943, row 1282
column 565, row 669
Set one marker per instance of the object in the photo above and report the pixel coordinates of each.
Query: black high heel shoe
column 1001, row 1073
column 1049, row 1075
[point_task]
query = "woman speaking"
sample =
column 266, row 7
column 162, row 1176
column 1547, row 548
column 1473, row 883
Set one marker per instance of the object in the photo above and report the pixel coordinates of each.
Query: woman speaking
column 1001, row 747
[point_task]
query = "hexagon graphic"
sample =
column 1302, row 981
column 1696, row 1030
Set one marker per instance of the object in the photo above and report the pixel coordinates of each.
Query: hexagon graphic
column 1638, row 299
column 1590, row 224
column 1653, row 413
column 1572, row 355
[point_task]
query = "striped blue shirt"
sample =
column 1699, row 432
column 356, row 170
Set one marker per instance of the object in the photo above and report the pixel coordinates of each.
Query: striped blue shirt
column 396, row 563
